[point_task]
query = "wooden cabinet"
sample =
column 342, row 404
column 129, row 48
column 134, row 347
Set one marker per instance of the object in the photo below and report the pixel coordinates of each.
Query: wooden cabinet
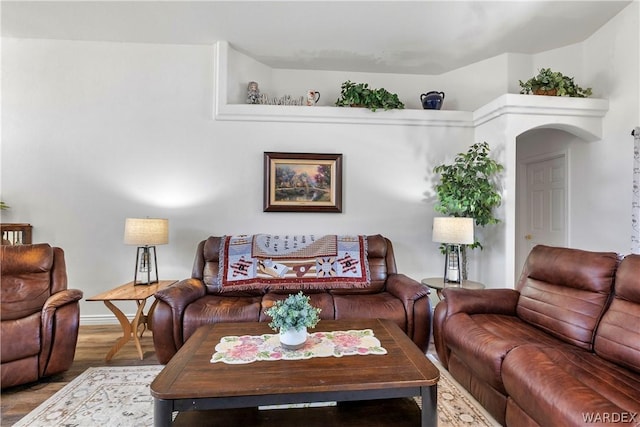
column 16, row 234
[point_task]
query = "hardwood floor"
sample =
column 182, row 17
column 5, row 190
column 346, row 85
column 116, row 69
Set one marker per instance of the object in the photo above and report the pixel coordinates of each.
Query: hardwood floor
column 94, row 343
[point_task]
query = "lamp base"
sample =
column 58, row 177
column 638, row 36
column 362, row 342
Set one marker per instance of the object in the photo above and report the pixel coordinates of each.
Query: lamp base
column 452, row 265
column 145, row 283
column 146, row 265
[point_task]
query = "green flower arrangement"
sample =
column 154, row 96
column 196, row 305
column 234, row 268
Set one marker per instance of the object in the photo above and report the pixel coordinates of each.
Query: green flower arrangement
column 294, row 312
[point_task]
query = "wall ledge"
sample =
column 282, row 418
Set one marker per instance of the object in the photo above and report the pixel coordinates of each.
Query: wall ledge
column 583, row 114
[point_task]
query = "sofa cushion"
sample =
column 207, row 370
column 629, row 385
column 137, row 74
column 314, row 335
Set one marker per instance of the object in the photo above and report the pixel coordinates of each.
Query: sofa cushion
column 382, row 305
column 482, row 341
column 20, row 338
column 218, row 309
column 565, row 291
column 618, row 335
column 539, row 379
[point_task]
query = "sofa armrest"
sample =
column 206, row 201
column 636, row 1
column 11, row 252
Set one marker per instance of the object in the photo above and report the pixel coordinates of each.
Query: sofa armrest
column 61, row 298
column 60, row 319
column 168, row 313
column 480, row 301
column 469, row 301
column 405, row 288
column 53, row 303
column 415, row 299
column 181, row 294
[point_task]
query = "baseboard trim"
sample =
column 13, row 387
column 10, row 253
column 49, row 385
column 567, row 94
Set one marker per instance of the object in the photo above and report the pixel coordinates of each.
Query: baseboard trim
column 101, row 319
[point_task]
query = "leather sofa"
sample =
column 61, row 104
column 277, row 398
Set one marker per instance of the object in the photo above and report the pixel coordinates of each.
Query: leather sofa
column 561, row 349
column 40, row 316
column 184, row 306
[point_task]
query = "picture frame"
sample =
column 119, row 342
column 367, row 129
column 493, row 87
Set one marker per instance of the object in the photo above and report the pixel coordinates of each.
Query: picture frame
column 302, row 182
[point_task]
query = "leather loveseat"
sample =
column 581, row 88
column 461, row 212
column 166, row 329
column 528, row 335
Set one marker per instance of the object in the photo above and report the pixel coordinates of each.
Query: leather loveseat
column 561, row 349
column 40, row 316
column 184, row 306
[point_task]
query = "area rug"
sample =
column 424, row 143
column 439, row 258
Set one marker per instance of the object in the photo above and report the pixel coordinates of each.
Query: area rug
column 120, row 397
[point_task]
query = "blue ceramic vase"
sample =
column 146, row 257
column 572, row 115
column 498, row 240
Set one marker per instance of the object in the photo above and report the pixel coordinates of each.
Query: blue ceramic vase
column 432, row 100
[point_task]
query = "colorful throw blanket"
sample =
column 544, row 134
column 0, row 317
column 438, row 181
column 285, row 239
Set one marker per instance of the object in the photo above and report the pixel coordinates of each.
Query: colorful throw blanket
column 265, row 261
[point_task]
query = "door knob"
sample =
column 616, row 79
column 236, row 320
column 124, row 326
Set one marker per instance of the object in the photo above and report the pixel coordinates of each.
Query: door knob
column 528, row 237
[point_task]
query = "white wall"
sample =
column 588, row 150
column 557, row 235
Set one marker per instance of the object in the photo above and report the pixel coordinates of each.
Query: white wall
column 601, row 172
column 96, row 132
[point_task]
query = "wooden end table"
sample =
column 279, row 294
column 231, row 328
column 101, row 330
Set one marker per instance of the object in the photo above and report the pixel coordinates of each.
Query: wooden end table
column 139, row 294
column 191, row 385
column 439, row 284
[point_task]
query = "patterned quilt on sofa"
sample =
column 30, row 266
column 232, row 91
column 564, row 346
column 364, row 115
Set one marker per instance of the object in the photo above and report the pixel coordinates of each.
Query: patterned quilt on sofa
column 293, row 262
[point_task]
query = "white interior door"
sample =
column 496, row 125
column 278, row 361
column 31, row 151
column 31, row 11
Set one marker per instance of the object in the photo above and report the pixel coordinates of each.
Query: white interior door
column 543, row 206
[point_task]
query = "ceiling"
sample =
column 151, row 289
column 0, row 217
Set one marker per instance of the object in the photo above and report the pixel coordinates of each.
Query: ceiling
column 413, row 37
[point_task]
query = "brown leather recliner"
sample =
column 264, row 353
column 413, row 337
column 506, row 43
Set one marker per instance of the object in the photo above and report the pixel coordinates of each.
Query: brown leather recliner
column 40, row 316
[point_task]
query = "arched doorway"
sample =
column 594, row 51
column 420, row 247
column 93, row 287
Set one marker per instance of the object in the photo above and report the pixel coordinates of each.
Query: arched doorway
column 542, row 190
column 512, row 118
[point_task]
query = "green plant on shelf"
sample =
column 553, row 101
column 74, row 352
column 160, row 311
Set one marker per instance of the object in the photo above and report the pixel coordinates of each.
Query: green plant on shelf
column 553, row 83
column 361, row 95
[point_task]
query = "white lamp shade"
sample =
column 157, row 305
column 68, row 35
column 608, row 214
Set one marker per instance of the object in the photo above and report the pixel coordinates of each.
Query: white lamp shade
column 453, row 230
column 146, row 231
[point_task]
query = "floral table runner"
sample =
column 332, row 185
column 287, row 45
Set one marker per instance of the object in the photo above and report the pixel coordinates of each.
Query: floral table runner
column 247, row 349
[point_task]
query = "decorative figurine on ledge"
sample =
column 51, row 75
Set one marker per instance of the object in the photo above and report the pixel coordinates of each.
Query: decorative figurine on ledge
column 253, row 93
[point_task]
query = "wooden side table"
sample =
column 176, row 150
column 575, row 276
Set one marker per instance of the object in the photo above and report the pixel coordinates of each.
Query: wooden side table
column 438, row 284
column 139, row 294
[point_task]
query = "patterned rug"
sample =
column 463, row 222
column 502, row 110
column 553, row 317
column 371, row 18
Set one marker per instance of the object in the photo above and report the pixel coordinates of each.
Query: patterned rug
column 119, row 397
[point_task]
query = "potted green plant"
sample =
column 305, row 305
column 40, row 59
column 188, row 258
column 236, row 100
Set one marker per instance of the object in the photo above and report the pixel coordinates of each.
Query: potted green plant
column 360, row 95
column 553, row 83
column 468, row 188
column 291, row 317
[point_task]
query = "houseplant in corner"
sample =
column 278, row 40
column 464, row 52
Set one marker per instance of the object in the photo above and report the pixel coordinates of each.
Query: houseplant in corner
column 360, row 95
column 553, row 83
column 291, row 317
column 468, row 188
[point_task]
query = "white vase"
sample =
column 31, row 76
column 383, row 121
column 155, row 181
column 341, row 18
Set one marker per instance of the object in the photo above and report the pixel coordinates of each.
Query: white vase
column 292, row 339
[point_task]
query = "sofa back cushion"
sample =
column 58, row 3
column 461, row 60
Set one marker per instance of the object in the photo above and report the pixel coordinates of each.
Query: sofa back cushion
column 26, row 279
column 565, row 291
column 382, row 262
column 379, row 255
column 618, row 334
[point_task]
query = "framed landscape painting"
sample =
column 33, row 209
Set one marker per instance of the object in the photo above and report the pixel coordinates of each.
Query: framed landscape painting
column 302, row 182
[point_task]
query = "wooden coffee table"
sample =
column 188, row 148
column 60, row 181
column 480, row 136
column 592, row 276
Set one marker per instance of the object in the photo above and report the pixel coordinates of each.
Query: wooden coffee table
column 189, row 382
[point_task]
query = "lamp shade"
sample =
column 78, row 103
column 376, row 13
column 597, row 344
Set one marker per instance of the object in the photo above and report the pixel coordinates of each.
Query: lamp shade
column 146, row 231
column 453, row 230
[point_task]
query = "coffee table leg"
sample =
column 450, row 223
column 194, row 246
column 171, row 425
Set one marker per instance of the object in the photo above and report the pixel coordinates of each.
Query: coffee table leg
column 162, row 412
column 429, row 406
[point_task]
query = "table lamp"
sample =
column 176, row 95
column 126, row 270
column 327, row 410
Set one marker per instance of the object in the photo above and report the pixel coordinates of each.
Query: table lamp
column 453, row 232
column 146, row 233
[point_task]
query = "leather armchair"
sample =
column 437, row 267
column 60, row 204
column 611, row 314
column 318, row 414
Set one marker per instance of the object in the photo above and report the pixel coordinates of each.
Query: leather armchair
column 39, row 315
